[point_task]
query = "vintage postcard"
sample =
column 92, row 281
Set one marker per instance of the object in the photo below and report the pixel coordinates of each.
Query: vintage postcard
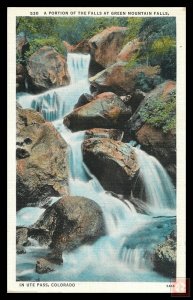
column 96, row 150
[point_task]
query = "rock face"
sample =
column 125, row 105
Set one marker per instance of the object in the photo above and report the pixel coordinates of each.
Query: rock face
column 106, row 110
column 21, row 74
column 47, row 69
column 114, row 134
column 22, row 45
column 71, row 222
column 106, row 45
column 122, row 80
column 20, row 249
column 67, row 46
column 135, row 100
column 164, row 256
column 21, row 239
column 21, row 236
column 160, row 145
column 112, row 162
column 41, row 159
column 162, row 93
column 83, row 99
column 129, row 50
column 82, row 47
column 154, row 141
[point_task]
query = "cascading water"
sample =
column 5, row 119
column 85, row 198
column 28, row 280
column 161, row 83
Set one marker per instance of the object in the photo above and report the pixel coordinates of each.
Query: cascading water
column 56, row 103
column 157, row 186
column 83, row 183
column 130, row 236
column 78, row 66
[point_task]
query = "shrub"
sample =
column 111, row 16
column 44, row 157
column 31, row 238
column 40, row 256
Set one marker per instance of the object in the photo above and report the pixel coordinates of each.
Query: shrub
column 35, row 44
column 134, row 25
column 160, row 114
column 133, row 61
column 163, row 52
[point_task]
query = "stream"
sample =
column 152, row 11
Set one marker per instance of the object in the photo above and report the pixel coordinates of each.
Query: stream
column 124, row 254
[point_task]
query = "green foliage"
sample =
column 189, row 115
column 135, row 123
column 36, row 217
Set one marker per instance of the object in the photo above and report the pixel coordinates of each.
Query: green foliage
column 163, row 52
column 154, row 28
column 160, row 114
column 38, row 43
column 162, row 45
column 19, row 59
column 39, row 26
column 70, row 29
column 75, row 29
column 147, row 83
column 168, row 64
column 133, row 61
column 96, row 25
column 134, row 25
column 159, row 46
column 157, row 35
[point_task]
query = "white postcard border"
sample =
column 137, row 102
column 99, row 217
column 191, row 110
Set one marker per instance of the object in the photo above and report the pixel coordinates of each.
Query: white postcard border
column 97, row 287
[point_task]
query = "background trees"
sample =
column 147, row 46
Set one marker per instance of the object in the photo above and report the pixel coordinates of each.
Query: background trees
column 158, row 35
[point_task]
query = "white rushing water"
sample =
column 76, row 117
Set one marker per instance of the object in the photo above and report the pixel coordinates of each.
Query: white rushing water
column 121, row 255
column 157, row 187
column 57, row 102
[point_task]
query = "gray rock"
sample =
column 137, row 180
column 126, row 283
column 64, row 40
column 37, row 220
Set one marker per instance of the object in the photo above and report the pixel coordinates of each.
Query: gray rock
column 153, row 139
column 164, row 256
column 21, row 235
column 20, row 249
column 47, row 69
column 69, row 223
column 112, row 162
column 114, row 134
column 44, row 266
column 83, row 99
column 106, row 110
column 42, row 168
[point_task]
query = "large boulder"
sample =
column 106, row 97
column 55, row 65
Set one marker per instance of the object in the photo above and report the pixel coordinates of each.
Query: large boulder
column 114, row 164
column 106, row 45
column 47, row 69
column 123, row 80
column 114, row 134
column 129, row 50
column 164, row 256
column 26, row 117
column 153, row 125
column 106, row 110
column 41, row 159
column 69, row 223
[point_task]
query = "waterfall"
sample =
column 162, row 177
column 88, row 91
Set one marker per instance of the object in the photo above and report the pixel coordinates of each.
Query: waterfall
column 156, row 183
column 57, row 102
column 118, row 216
column 123, row 253
column 135, row 258
column 78, row 65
